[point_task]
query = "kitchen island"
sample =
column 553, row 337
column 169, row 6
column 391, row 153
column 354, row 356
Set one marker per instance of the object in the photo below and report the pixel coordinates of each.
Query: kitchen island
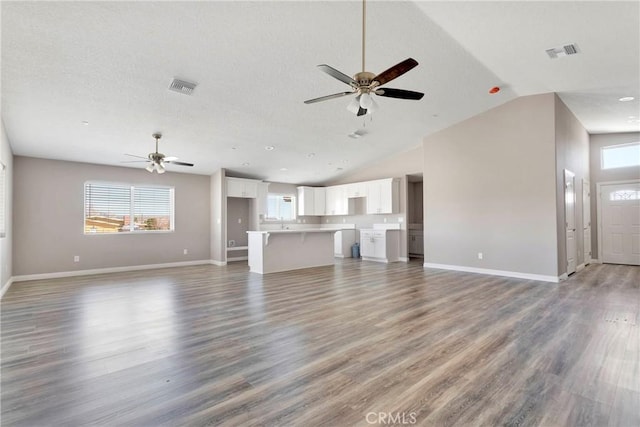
column 283, row 250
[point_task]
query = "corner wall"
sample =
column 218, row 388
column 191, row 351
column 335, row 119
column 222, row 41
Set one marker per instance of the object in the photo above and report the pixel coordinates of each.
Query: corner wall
column 572, row 153
column 6, row 242
column 489, row 186
column 49, row 214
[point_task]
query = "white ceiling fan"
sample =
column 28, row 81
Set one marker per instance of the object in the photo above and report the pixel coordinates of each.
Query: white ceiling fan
column 365, row 83
column 156, row 160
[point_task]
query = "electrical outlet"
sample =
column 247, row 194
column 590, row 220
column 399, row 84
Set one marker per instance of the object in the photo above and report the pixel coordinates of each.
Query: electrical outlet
column 185, row 251
column 480, row 255
column 385, row 219
column 239, row 220
column 76, row 258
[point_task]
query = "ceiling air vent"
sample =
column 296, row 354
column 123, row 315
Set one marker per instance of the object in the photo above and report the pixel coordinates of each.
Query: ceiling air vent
column 181, row 86
column 566, row 50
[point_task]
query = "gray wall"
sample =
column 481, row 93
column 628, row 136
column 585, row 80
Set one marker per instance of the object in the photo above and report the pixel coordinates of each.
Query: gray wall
column 6, row 246
column 218, row 206
column 238, row 215
column 572, row 153
column 49, row 213
column 490, row 187
column 598, row 175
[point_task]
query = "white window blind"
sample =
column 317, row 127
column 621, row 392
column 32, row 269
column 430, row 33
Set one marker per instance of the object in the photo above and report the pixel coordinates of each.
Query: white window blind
column 118, row 208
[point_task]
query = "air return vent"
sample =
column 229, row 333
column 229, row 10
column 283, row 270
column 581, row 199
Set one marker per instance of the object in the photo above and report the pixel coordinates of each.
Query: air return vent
column 181, row 86
column 566, row 50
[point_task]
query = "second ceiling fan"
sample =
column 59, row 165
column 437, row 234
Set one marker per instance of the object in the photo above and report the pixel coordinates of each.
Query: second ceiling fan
column 365, row 84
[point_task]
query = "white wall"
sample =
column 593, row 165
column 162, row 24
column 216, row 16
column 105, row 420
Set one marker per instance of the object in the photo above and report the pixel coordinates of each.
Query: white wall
column 6, row 247
column 49, row 213
column 599, row 175
column 490, row 187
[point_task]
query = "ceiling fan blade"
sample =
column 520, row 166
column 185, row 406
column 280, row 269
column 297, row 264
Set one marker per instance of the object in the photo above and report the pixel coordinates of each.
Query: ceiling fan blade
column 134, row 161
column 324, row 98
column 173, row 162
column 361, row 112
column 169, row 158
column 399, row 93
column 338, row 75
column 133, row 155
column 395, row 71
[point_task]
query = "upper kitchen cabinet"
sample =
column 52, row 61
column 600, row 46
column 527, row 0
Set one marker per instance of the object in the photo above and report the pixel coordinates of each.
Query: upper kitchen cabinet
column 311, row 201
column 356, row 189
column 336, row 200
column 383, row 196
column 240, row 187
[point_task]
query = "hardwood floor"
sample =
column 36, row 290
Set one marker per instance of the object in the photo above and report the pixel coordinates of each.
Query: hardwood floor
column 355, row 344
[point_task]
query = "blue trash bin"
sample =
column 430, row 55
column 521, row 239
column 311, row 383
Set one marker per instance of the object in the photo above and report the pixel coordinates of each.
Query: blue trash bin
column 355, row 250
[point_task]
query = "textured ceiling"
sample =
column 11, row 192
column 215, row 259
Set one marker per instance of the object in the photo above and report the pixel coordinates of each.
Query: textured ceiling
column 110, row 63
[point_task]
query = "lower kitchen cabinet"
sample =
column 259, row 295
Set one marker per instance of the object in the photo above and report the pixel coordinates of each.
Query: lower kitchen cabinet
column 380, row 245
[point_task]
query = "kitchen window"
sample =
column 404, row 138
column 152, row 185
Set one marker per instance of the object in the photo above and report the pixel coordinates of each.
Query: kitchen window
column 281, row 207
column 123, row 208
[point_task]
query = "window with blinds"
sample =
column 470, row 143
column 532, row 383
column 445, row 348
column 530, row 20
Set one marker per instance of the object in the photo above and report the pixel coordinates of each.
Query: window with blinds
column 119, row 208
column 281, row 207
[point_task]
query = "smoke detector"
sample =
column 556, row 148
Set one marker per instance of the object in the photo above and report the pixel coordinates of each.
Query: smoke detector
column 566, row 50
column 182, row 86
column 357, row 133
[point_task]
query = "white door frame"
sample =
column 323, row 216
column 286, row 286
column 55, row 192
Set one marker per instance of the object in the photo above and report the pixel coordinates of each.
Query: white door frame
column 586, row 221
column 599, row 208
column 570, row 176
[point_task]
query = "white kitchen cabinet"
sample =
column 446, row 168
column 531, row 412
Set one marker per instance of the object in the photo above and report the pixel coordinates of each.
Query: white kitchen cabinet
column 380, row 245
column 356, row 189
column 240, row 187
column 311, row 201
column 336, row 200
column 383, row 196
column 416, row 242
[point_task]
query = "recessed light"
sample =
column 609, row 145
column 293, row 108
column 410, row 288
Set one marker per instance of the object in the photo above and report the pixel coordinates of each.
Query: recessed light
column 246, row 164
column 284, row 169
column 631, row 117
column 269, row 148
column 86, row 123
column 626, row 99
column 339, row 169
column 310, row 155
column 345, row 161
column 234, row 148
column 633, row 121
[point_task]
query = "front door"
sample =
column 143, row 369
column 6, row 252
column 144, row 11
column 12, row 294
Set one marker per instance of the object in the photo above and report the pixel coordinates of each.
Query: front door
column 620, row 223
column 570, row 220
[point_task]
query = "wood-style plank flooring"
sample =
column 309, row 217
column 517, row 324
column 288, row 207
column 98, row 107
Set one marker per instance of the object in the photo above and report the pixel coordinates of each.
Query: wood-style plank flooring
column 358, row 343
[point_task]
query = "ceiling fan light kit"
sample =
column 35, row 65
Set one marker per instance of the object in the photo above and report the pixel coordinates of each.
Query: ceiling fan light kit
column 365, row 83
column 156, row 160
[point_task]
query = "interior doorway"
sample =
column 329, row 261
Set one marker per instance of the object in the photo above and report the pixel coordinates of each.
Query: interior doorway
column 415, row 217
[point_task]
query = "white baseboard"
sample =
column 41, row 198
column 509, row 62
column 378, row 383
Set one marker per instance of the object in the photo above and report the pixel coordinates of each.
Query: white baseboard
column 580, row 267
column 238, row 258
column 595, row 261
column 218, row 263
column 563, row 277
column 60, row 274
column 403, row 259
column 6, row 287
column 514, row 274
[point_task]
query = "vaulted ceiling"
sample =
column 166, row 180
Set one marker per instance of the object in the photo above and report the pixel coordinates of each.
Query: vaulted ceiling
column 88, row 81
